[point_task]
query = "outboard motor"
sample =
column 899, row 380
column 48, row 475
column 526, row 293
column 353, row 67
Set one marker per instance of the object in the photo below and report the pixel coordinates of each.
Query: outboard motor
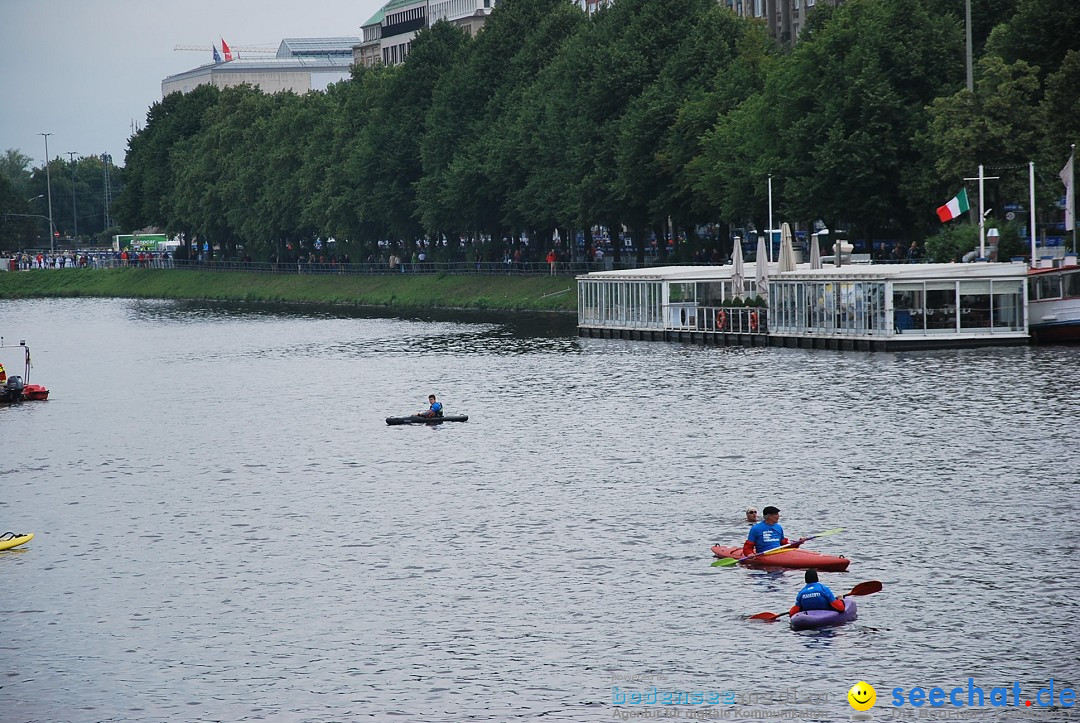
column 13, row 389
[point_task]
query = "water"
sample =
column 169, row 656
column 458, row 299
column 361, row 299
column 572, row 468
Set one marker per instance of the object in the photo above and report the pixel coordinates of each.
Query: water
column 227, row 529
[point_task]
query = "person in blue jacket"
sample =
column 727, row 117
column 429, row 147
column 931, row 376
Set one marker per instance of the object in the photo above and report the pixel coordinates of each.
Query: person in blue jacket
column 435, row 410
column 767, row 534
column 816, row 596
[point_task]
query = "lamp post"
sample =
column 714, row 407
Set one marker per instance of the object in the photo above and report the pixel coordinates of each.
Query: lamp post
column 48, row 187
column 768, row 255
column 74, row 216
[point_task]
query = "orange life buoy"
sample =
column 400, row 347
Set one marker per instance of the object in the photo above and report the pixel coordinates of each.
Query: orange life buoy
column 753, row 321
column 721, row 320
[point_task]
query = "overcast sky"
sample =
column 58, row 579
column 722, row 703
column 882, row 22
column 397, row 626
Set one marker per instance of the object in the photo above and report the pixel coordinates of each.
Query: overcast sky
column 85, row 70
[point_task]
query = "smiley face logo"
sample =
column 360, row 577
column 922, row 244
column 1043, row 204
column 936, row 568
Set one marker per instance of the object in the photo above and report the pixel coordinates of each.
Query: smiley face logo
column 862, row 696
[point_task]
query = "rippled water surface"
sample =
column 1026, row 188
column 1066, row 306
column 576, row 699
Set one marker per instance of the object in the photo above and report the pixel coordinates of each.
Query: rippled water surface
column 228, row 530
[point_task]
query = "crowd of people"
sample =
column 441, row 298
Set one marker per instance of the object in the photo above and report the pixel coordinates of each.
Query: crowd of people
column 69, row 259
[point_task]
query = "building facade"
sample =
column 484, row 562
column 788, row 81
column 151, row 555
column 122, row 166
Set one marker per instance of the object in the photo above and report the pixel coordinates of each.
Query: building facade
column 389, row 33
column 785, row 18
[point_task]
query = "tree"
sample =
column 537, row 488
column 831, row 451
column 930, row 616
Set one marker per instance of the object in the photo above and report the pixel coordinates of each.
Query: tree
column 994, row 127
column 848, row 105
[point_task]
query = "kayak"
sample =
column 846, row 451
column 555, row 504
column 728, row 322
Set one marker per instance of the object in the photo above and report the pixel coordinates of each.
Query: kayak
column 9, row 540
column 813, row 619
column 792, row 558
column 417, row 419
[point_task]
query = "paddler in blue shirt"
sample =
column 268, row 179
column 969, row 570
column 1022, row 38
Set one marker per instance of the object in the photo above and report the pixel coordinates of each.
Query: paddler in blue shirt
column 435, row 410
column 766, row 535
column 815, row 596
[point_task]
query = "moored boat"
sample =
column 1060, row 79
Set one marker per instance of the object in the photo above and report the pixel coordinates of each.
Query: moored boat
column 813, row 619
column 1054, row 303
column 793, row 558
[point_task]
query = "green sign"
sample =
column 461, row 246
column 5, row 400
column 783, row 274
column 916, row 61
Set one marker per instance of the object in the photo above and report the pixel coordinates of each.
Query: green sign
column 139, row 241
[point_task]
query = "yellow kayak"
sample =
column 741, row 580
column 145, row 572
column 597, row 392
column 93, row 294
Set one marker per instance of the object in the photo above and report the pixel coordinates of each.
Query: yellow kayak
column 9, row 540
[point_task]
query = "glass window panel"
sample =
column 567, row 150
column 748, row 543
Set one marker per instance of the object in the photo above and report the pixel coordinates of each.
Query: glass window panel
column 940, row 309
column 1048, row 286
column 1072, row 284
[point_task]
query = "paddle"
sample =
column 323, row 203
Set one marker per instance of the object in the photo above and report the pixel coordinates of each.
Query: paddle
column 732, row 561
column 863, row 588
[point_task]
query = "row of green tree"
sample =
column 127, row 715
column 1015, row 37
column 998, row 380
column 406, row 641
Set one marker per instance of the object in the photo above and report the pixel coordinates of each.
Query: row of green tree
column 649, row 114
column 78, row 200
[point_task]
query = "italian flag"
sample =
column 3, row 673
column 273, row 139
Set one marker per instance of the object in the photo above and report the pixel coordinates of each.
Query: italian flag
column 955, row 207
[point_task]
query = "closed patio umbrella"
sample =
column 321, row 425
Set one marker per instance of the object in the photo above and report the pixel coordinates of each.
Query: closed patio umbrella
column 762, row 267
column 738, row 280
column 787, row 251
column 815, row 252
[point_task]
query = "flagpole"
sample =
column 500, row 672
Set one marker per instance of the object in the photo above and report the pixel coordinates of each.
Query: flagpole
column 982, row 213
column 1031, row 206
column 1071, row 202
column 982, row 219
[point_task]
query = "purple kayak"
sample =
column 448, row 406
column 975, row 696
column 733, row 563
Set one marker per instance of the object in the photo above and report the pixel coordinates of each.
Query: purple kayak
column 813, row 619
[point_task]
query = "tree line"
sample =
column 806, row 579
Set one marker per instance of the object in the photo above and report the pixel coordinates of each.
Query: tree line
column 660, row 116
column 78, row 200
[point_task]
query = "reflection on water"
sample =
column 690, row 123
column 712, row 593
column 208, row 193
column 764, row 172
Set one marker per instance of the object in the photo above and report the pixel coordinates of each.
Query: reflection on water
column 227, row 529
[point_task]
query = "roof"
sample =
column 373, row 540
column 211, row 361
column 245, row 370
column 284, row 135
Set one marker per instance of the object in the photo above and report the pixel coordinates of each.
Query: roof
column 803, row 272
column 318, row 63
column 376, row 19
column 400, row 4
column 292, row 47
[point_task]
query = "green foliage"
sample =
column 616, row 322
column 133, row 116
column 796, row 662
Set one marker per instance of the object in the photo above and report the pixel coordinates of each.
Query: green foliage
column 952, row 242
column 1011, row 243
column 645, row 112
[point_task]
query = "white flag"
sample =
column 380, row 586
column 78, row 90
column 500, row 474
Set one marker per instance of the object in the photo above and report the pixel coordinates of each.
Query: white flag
column 1070, row 195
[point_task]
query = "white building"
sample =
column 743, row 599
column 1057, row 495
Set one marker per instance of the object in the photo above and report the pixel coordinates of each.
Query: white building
column 300, row 65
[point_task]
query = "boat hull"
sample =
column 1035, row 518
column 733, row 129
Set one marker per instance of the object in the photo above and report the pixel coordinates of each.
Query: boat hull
column 814, row 619
column 416, row 419
column 793, row 559
column 7, row 543
column 35, row 393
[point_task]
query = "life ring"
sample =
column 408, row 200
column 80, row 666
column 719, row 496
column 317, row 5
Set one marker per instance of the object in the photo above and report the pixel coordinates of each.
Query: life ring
column 721, row 320
column 753, row 321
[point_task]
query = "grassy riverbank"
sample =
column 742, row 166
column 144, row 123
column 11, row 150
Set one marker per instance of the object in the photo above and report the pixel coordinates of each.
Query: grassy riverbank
column 414, row 291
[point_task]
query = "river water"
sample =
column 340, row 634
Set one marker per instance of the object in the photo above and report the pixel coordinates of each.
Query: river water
column 228, row 530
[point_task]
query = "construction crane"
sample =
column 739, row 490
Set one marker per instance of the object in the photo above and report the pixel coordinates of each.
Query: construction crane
column 254, row 49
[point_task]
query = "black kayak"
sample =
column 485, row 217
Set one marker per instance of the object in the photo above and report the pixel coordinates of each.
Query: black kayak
column 417, row 419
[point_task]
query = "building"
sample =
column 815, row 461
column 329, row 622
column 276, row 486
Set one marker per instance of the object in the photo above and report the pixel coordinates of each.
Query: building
column 785, row 18
column 873, row 307
column 300, row 65
column 402, row 20
column 389, row 33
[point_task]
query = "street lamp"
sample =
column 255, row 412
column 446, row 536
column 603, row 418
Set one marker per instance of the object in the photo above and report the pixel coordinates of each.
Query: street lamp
column 74, row 217
column 48, row 186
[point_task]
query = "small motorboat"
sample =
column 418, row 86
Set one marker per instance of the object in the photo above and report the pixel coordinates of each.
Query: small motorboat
column 421, row 419
column 16, row 388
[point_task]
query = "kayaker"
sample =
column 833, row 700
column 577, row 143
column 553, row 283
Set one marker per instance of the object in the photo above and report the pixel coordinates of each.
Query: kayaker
column 767, row 534
column 751, row 515
column 434, row 410
column 816, row 596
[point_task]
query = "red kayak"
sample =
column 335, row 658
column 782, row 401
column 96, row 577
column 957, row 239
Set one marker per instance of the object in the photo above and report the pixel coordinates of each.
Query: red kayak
column 793, row 558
